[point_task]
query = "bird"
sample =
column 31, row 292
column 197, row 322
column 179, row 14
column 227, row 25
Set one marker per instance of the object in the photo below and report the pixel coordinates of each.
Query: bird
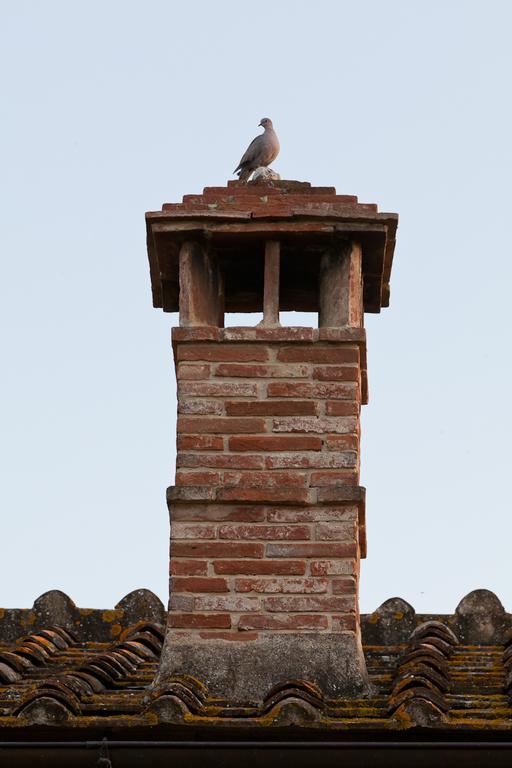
column 261, row 151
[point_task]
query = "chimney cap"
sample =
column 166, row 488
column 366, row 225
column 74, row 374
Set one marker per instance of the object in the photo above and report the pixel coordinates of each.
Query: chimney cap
column 305, row 219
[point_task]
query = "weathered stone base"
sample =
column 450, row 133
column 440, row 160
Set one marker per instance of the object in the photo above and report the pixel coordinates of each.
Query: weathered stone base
column 243, row 673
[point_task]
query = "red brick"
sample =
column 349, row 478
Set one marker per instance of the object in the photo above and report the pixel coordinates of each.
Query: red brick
column 318, row 354
column 341, row 442
column 311, row 550
column 193, row 372
column 328, row 391
column 312, row 460
column 335, row 531
column 203, row 550
column 336, row 373
column 213, row 424
column 344, row 586
column 333, row 567
column 197, row 478
column 344, row 623
column 294, row 586
column 320, row 424
column 201, row 407
column 223, row 352
column 212, row 513
column 239, row 370
column 325, row 514
column 265, row 479
column 344, row 334
column 260, row 567
column 223, row 461
column 268, row 532
column 235, row 370
column 336, row 494
column 266, row 495
column 275, row 443
column 319, row 479
column 200, row 443
column 216, row 389
column 188, row 567
column 204, row 333
column 342, row 408
column 199, row 585
column 272, row 408
column 312, row 603
column 191, row 493
column 178, row 602
column 282, row 622
column 192, row 620
column 233, row 603
column 193, row 531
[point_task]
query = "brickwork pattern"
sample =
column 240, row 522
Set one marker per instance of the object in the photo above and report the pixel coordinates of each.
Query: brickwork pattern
column 249, row 568
column 283, row 416
column 266, row 424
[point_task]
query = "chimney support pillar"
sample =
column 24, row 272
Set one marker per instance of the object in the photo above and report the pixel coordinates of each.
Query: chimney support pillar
column 201, row 289
column 271, row 284
column 340, row 287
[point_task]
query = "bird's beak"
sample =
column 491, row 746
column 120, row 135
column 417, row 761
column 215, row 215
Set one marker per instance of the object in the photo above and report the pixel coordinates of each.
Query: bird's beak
column 260, row 124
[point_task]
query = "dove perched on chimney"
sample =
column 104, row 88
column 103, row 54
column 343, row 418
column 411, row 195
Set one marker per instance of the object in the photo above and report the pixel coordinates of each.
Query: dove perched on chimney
column 261, row 151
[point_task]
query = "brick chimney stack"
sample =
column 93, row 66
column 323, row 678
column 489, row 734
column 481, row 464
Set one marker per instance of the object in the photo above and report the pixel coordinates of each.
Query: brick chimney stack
column 267, row 516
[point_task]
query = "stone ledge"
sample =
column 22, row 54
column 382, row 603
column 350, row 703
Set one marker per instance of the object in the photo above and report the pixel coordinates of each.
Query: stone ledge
column 198, row 494
column 292, row 334
column 289, row 497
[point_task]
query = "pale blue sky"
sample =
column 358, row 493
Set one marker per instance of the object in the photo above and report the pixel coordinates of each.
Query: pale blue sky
column 108, row 109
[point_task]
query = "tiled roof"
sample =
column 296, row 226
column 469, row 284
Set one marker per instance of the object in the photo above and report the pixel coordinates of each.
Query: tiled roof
column 60, row 663
column 445, row 673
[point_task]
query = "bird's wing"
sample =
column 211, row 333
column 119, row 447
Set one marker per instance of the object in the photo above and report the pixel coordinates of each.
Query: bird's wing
column 252, row 151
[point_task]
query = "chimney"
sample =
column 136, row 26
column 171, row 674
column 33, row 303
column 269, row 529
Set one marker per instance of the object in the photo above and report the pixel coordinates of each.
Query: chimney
column 267, row 514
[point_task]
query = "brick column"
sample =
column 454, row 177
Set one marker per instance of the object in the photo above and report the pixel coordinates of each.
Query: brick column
column 267, row 517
